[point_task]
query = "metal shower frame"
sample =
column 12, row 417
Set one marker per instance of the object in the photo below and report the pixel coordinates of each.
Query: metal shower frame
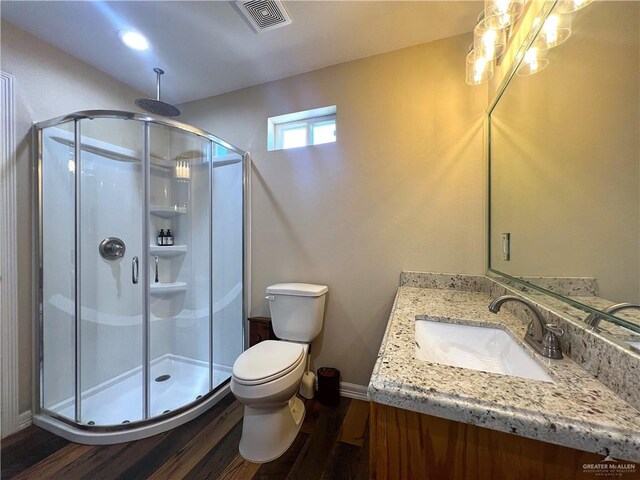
column 76, row 117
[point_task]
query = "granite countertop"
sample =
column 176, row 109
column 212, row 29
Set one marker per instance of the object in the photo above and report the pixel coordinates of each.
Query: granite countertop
column 576, row 411
column 616, row 331
column 584, row 291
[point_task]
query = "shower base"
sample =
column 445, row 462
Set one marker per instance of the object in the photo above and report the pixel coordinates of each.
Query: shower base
column 119, row 401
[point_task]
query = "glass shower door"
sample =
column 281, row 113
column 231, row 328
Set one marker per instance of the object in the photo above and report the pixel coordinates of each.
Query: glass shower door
column 141, row 272
column 179, row 268
column 58, row 271
column 110, row 203
column 228, row 257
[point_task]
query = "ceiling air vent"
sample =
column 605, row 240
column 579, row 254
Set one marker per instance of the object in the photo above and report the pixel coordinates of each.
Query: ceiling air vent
column 264, row 15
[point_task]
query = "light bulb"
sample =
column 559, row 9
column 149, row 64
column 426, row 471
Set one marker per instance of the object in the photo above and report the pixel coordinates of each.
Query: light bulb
column 532, row 63
column 568, row 6
column 502, row 6
column 531, row 58
column 133, row 40
column 489, row 42
column 555, row 30
column 479, row 68
column 501, row 13
column 550, row 29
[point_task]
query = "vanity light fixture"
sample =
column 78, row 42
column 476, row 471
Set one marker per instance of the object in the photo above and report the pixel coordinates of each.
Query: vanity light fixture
column 532, row 63
column 555, row 30
column 568, row 6
column 488, row 42
column 495, row 26
column 479, row 68
column 133, row 40
column 502, row 13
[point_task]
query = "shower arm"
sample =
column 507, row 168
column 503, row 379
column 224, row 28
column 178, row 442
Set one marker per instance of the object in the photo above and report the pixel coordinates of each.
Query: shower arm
column 159, row 72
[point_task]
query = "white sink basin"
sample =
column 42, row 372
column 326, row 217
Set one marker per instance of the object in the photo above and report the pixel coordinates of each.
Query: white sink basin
column 478, row 348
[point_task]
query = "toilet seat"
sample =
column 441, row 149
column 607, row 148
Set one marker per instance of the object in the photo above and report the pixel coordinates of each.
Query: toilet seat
column 267, row 361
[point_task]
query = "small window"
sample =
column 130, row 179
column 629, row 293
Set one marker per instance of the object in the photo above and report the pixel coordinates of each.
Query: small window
column 299, row 129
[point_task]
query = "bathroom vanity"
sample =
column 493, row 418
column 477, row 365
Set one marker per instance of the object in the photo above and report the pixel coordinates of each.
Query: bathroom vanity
column 432, row 420
column 564, row 190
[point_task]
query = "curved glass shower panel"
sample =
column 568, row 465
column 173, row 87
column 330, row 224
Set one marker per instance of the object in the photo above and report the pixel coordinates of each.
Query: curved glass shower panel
column 57, row 171
column 227, row 257
column 112, row 291
column 130, row 330
column 180, row 330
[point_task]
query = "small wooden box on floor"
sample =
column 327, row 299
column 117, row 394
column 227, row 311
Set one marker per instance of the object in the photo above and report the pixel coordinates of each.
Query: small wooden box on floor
column 406, row 445
column 260, row 329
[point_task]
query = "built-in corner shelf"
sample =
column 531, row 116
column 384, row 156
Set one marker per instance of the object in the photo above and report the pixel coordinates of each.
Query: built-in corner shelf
column 167, row 251
column 167, row 212
column 163, row 288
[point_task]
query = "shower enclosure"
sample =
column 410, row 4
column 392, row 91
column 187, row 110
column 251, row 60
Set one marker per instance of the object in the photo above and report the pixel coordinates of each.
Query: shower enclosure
column 133, row 337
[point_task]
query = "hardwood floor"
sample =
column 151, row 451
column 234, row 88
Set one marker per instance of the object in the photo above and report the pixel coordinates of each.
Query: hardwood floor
column 332, row 444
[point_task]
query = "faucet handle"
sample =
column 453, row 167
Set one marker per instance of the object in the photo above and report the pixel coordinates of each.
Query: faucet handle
column 551, row 344
column 553, row 328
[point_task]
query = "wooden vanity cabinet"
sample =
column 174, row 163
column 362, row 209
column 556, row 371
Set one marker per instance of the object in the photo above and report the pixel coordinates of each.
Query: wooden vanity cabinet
column 406, row 445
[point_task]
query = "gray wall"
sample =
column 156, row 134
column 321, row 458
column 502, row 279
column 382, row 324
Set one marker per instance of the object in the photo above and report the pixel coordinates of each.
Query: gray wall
column 48, row 83
column 403, row 187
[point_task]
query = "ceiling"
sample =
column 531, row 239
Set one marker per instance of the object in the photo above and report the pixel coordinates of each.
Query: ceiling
column 207, row 48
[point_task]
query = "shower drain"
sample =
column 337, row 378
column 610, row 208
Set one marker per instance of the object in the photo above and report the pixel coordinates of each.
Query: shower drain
column 163, row 378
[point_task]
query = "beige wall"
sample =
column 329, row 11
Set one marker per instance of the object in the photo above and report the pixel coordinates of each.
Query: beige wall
column 403, row 187
column 565, row 158
column 48, row 83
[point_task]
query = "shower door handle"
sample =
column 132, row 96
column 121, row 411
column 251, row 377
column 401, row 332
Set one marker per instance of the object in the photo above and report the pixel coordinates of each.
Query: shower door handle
column 135, row 269
column 156, row 258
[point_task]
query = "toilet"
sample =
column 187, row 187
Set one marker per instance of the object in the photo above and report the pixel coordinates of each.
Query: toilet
column 266, row 377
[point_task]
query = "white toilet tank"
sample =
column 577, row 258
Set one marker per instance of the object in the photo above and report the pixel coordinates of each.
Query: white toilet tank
column 297, row 310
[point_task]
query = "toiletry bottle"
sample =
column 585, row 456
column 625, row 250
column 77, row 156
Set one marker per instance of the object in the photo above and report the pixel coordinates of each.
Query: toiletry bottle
column 169, row 238
column 161, row 237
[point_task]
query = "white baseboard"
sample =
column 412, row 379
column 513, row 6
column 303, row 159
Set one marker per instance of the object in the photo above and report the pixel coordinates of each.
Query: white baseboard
column 353, row 390
column 24, row 419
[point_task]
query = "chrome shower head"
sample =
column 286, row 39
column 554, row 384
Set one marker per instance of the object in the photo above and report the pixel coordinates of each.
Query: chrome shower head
column 157, row 107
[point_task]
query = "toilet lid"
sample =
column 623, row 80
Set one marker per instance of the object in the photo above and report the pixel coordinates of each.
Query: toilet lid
column 267, row 361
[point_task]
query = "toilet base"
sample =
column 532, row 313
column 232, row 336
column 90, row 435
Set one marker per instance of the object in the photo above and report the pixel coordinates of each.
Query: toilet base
column 268, row 433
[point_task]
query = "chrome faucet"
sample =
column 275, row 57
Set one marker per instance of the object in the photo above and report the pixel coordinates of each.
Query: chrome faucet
column 540, row 336
column 593, row 320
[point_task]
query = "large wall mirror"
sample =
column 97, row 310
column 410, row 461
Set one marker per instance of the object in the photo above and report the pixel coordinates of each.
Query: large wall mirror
column 565, row 168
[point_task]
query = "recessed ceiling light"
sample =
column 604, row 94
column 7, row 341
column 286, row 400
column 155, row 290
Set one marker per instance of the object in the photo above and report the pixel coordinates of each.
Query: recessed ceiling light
column 133, row 40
